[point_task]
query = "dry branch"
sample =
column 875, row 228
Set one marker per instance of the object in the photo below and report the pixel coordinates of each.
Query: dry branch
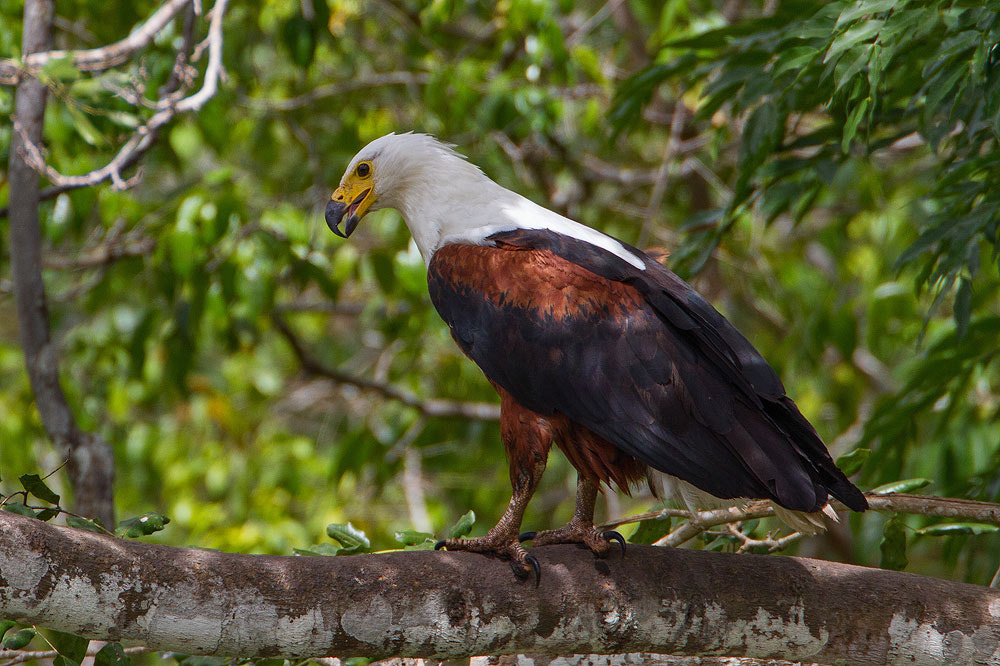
column 116, row 247
column 476, row 411
column 924, row 505
column 94, row 60
column 336, row 89
column 440, row 604
column 143, row 137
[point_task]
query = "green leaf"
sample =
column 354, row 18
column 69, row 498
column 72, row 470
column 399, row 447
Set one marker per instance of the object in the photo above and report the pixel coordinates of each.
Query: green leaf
column 64, row 661
column 953, row 529
column 20, row 509
column 19, row 640
column 413, row 538
column 859, row 9
column 963, row 307
column 463, row 526
column 34, row 485
column 650, row 530
column 47, row 514
column 68, row 645
column 85, row 524
column 853, row 120
column 761, row 134
column 893, row 545
column 143, row 525
column 5, row 626
column 854, row 35
column 904, row 486
column 321, row 549
column 273, row 661
column 351, row 538
column 61, row 69
column 849, row 463
column 203, row 660
column 113, row 654
column 88, row 131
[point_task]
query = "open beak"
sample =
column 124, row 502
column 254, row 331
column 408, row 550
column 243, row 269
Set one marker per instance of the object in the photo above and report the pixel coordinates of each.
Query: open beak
column 338, row 208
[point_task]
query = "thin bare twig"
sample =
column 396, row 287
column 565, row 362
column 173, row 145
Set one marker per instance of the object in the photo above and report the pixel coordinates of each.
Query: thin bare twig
column 143, row 137
column 13, row 657
column 924, row 505
column 329, row 307
column 476, row 411
column 606, row 10
column 771, row 544
column 665, row 170
column 105, row 254
column 340, row 88
column 43, row 195
column 99, row 59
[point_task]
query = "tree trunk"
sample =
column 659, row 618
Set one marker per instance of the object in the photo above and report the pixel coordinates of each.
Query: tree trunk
column 91, row 465
column 438, row 604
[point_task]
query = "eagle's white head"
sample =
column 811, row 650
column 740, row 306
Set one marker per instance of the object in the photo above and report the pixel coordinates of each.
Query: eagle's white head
column 442, row 197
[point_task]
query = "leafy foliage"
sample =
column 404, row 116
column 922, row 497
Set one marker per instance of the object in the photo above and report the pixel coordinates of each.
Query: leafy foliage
column 822, row 175
column 876, row 113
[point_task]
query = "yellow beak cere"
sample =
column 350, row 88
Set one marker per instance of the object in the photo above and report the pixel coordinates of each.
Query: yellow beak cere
column 352, row 199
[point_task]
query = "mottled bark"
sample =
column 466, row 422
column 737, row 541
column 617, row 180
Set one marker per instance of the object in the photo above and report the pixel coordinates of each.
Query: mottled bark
column 658, row 600
column 91, row 466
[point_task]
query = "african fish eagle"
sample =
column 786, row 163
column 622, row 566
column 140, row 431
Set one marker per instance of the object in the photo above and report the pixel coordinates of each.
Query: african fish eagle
column 592, row 345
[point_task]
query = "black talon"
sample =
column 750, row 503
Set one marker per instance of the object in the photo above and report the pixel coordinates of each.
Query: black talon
column 612, row 535
column 440, row 544
column 530, row 559
column 526, row 536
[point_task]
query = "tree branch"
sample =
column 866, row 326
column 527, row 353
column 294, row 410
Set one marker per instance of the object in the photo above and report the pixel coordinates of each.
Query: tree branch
column 94, row 60
column 426, row 603
column 106, row 253
column 334, row 89
column 143, row 137
column 91, row 464
column 12, row 657
column 476, row 411
column 924, row 505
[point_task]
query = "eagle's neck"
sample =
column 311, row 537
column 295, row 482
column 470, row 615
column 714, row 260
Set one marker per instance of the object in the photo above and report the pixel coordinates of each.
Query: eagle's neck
column 457, row 203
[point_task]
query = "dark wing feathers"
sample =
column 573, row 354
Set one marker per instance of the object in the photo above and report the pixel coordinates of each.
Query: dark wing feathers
column 668, row 379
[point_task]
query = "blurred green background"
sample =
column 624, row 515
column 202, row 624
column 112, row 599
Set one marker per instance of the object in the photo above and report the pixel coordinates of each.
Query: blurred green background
column 855, row 248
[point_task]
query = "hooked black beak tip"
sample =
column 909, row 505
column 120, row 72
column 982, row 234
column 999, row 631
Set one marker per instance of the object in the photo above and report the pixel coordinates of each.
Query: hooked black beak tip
column 334, row 214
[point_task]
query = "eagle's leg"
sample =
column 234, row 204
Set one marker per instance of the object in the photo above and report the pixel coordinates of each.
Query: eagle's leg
column 502, row 539
column 527, row 437
column 580, row 528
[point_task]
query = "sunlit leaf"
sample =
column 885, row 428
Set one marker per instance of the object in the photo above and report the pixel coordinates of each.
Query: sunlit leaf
column 319, row 549
column 413, row 538
column 143, row 525
column 351, row 538
column 19, row 640
column 5, row 626
column 903, row 486
column 953, row 529
column 463, row 526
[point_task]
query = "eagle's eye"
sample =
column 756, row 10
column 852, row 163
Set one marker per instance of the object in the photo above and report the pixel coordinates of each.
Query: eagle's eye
column 364, row 170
